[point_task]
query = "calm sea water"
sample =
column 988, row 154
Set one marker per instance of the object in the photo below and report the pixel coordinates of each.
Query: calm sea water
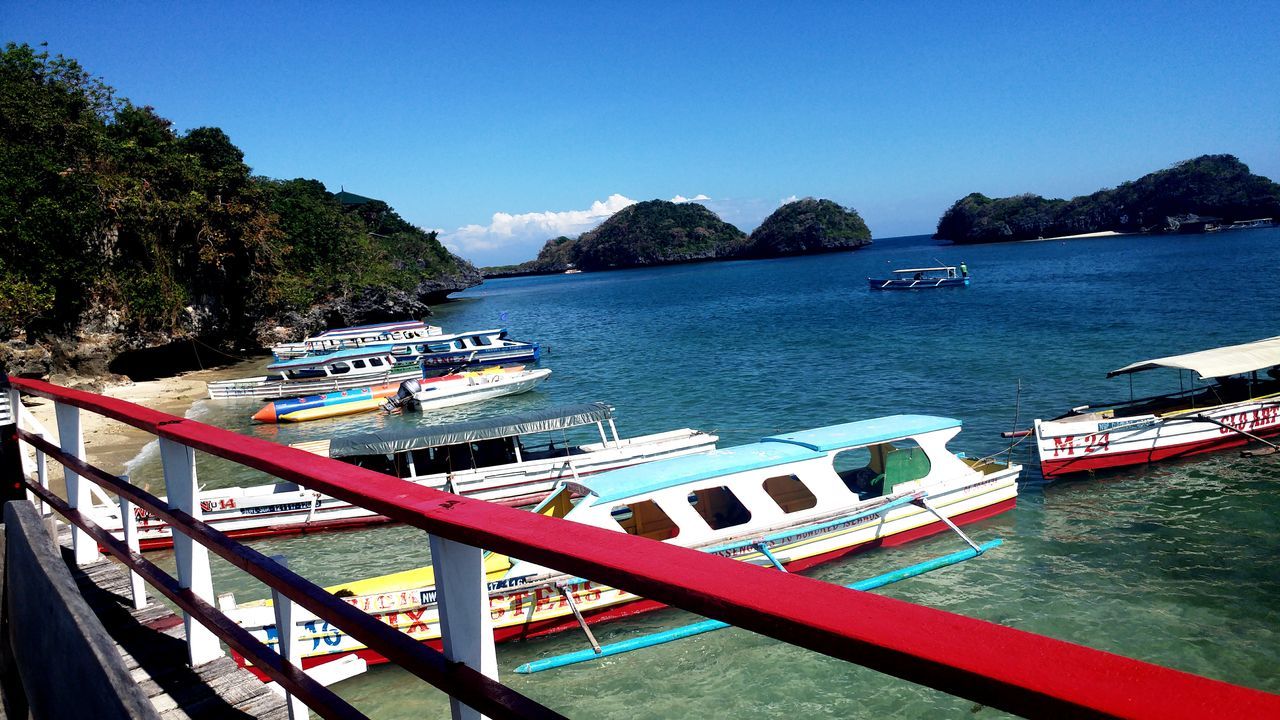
column 1176, row 564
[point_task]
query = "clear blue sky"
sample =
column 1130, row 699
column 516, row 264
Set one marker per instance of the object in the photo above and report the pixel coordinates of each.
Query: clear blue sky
column 502, row 124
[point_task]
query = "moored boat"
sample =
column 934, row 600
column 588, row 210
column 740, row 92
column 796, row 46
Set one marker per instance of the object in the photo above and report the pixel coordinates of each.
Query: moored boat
column 793, row 500
column 467, row 387
column 923, row 278
column 467, row 458
column 355, row 337
column 1236, row 407
column 328, row 405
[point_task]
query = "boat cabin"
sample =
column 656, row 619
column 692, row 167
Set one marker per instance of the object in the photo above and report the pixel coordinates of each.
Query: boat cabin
column 560, row 432
column 374, row 360
column 775, row 483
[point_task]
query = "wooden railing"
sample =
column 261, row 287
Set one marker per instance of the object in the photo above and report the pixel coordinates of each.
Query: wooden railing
column 1013, row 670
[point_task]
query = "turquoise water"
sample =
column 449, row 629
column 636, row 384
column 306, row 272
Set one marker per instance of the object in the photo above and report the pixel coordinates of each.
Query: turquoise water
column 1175, row 564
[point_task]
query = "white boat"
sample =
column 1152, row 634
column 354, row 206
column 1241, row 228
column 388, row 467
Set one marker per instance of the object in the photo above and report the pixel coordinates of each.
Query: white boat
column 495, row 459
column 356, row 337
column 793, row 501
column 1236, row 407
column 464, row 388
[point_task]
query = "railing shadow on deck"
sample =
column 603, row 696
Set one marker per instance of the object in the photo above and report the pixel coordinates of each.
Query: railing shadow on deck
column 1013, row 670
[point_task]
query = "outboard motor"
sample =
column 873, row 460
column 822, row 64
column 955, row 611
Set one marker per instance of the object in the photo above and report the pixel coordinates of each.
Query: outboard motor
column 404, row 396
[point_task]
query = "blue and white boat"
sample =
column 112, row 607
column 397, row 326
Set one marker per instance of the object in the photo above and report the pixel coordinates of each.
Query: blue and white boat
column 923, row 279
column 356, row 337
column 477, row 347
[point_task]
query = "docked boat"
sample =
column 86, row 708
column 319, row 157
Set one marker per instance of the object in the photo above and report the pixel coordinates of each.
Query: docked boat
column 377, row 365
column 1236, row 407
column 328, row 405
column 793, row 500
column 463, row 388
column 356, row 337
column 513, row 460
column 923, row 278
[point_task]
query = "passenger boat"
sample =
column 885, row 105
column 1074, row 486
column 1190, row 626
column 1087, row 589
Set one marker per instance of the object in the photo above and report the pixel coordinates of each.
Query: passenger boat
column 471, row 459
column 463, row 388
column 515, row 459
column 377, row 365
column 1236, row 408
column 355, row 337
column 793, row 500
column 923, row 279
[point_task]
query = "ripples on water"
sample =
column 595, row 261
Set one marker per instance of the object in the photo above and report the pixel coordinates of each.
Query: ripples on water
column 1175, row 564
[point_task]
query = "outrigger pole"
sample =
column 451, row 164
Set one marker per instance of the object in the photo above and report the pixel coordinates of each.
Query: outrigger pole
column 706, row 626
column 1219, row 423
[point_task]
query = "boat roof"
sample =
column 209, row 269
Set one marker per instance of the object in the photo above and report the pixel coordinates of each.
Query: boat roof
column 865, row 432
column 400, row 439
column 446, row 338
column 610, row 487
column 1218, row 362
column 911, row 270
column 348, row 354
column 366, row 329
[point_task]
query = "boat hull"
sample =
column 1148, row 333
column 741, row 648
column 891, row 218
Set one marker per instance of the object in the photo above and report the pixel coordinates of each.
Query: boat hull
column 478, row 387
column 922, row 284
column 537, row 609
column 1074, row 445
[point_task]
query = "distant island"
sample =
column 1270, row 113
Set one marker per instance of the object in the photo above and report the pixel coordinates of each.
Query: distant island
column 1195, row 194
column 127, row 242
column 658, row 232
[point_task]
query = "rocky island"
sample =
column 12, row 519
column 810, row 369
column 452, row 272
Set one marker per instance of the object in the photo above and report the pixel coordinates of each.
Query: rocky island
column 658, row 232
column 1213, row 188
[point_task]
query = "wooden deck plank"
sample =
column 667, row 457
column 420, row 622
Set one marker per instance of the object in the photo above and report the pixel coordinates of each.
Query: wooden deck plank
column 152, row 644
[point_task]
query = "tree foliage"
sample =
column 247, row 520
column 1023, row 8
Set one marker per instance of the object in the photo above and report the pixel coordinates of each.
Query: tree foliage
column 1213, row 185
column 658, row 232
column 107, row 212
column 809, row 226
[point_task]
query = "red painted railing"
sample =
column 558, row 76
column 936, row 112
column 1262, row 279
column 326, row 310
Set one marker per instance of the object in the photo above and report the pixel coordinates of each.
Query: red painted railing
column 1017, row 671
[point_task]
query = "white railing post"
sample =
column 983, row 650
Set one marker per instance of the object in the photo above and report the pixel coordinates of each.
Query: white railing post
column 179, row 463
column 71, row 441
column 42, row 477
column 463, row 600
column 287, row 642
column 129, row 523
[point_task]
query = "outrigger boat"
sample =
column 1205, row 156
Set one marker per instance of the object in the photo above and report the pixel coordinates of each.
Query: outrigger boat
column 1237, row 408
column 791, row 501
column 922, row 279
column 516, row 459
column 356, row 337
column 444, row 390
column 377, row 365
column 469, row 458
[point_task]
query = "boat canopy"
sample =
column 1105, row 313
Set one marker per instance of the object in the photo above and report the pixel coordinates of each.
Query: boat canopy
column 865, row 432
column 363, row 330
column 932, row 269
column 1218, row 362
column 616, row 485
column 400, row 439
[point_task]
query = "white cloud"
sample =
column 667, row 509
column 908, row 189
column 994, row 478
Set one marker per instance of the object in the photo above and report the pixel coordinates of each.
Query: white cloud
column 510, row 238
column 786, row 200
column 696, row 198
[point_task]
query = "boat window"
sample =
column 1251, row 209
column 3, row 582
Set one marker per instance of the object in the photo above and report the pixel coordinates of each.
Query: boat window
column 358, row 364
column 377, row 463
column 339, row 368
column 439, row 347
column 487, row 453
column 375, row 362
column 790, row 494
column 874, row 471
column 306, row 373
column 719, row 507
column 645, row 519
column 436, row 460
column 459, row 345
column 481, row 340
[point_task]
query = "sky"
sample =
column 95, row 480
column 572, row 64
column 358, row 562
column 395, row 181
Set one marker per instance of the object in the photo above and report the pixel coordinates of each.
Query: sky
column 502, row 125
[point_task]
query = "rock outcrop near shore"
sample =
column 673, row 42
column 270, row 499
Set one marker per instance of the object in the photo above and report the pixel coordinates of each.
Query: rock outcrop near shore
column 129, row 245
column 1213, row 186
column 808, row 226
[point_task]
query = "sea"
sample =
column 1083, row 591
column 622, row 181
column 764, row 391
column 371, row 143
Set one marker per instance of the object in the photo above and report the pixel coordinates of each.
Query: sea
column 1176, row 564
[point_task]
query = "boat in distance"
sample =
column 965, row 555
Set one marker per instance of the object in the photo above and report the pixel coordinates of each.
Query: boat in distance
column 355, row 337
column 473, row 469
column 792, row 501
column 923, row 279
column 1237, row 407
column 377, row 365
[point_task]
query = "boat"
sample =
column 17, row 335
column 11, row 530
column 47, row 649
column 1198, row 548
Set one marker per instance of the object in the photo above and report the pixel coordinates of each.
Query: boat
column 355, row 337
column 923, row 278
column 463, row 388
column 515, row 459
column 793, row 501
column 328, row 405
column 471, row 448
column 376, row 365
column 1236, row 407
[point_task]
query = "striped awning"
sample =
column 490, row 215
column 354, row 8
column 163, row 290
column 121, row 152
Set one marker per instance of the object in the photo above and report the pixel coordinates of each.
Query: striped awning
column 1218, row 362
